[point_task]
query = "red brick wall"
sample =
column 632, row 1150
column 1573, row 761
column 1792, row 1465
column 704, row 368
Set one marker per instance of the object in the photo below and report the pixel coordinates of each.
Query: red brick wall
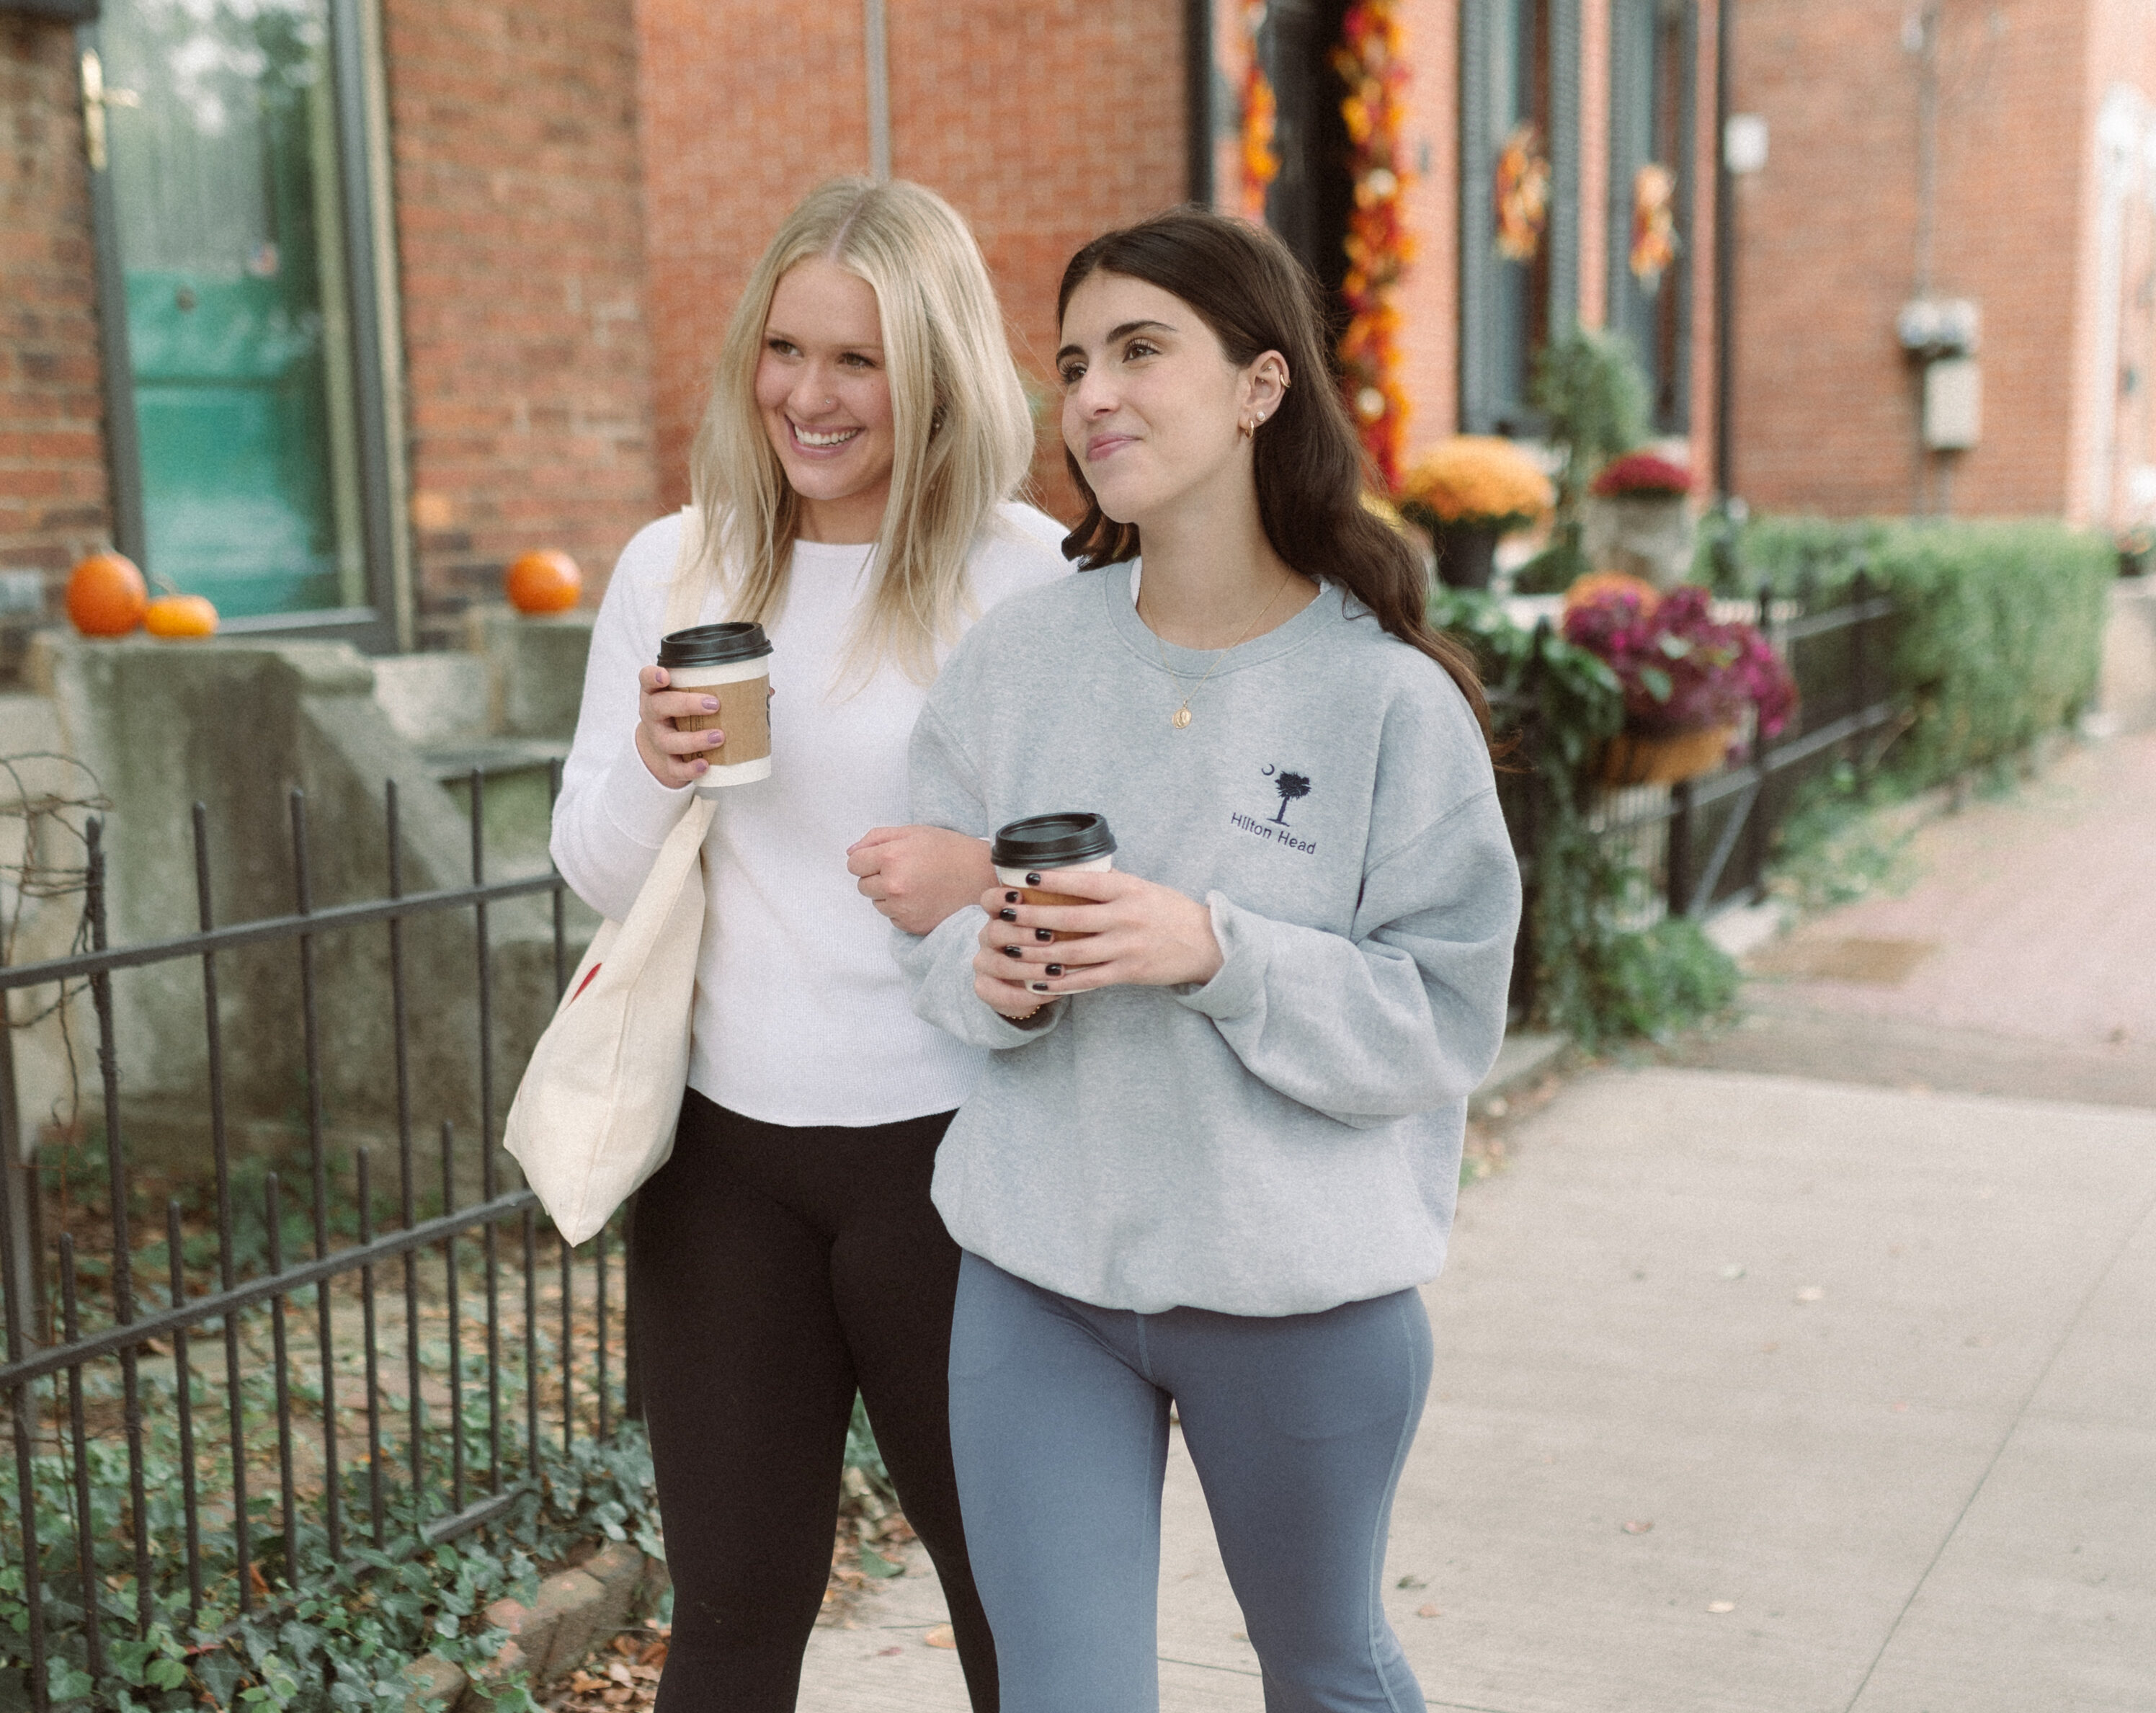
column 52, row 450
column 1429, row 294
column 520, row 231
column 991, row 114
column 1826, row 404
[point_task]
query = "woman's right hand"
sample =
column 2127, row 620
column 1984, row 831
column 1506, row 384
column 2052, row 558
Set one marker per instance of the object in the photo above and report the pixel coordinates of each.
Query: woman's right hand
column 673, row 758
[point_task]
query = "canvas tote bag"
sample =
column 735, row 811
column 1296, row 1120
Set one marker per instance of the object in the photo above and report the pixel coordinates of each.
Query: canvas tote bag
column 594, row 1114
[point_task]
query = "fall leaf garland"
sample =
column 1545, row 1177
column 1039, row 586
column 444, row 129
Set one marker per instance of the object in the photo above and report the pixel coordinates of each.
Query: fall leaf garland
column 1260, row 160
column 1372, row 61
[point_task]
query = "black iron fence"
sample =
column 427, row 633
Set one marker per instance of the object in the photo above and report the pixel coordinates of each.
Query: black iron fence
column 1699, row 846
column 1718, row 829
column 231, row 1367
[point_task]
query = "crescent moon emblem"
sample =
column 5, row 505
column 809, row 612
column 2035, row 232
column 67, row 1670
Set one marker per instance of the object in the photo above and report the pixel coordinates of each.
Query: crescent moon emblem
column 1266, row 770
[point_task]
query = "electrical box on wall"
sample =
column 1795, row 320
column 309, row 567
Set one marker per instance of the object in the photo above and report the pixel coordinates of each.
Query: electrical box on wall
column 1954, row 404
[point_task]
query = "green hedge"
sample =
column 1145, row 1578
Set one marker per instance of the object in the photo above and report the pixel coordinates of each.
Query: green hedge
column 2000, row 630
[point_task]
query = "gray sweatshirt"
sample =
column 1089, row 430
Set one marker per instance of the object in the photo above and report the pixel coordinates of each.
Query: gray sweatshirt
column 1286, row 1138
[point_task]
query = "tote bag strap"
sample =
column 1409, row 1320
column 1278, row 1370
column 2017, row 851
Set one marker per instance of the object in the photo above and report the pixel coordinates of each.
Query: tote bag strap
column 693, row 575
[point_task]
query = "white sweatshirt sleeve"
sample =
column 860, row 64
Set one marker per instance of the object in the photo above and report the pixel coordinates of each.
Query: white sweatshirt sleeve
column 612, row 815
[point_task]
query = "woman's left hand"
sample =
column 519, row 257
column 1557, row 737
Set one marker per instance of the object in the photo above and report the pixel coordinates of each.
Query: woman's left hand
column 1137, row 934
column 919, row 875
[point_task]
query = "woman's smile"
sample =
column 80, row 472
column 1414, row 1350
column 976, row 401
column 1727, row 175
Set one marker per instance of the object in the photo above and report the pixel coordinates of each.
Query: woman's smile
column 822, row 443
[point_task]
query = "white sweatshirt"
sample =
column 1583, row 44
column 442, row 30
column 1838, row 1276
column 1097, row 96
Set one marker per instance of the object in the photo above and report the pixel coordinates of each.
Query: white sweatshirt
column 801, row 1016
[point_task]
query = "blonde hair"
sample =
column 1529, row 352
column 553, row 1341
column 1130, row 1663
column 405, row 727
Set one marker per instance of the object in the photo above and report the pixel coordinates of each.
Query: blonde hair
column 964, row 437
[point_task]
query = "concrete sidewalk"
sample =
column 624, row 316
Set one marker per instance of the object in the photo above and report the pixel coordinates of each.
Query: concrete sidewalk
column 1752, row 1393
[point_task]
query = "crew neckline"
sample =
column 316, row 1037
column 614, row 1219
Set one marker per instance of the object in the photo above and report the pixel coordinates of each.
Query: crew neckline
column 1119, row 590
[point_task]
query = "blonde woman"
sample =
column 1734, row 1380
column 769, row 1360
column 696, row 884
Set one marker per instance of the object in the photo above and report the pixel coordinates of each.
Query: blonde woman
column 852, row 481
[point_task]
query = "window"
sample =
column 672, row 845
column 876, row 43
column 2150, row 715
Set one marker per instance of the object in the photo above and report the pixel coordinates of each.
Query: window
column 1653, row 69
column 237, row 269
column 1519, row 254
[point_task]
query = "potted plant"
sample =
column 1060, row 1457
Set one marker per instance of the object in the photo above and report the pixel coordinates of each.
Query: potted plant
column 1467, row 492
column 1638, row 519
column 1688, row 679
column 1590, row 395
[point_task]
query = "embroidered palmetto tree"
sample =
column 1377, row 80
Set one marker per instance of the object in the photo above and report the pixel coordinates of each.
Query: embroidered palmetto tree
column 1290, row 786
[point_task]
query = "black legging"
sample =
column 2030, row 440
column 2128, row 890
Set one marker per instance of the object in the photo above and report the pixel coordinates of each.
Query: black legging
column 771, row 1271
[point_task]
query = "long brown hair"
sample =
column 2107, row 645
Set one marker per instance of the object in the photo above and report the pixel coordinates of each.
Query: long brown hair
column 1254, row 295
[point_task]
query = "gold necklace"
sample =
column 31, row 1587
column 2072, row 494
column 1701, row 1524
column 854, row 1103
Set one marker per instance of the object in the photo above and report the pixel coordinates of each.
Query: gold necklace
column 1181, row 717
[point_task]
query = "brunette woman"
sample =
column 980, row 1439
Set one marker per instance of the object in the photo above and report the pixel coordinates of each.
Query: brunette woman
column 854, row 481
column 1216, row 1148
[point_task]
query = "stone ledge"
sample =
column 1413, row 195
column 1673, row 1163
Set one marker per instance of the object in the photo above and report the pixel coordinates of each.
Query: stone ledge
column 578, row 1610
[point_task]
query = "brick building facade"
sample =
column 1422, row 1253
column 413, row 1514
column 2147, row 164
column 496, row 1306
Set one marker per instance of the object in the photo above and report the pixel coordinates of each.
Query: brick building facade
column 528, row 221
column 2001, row 153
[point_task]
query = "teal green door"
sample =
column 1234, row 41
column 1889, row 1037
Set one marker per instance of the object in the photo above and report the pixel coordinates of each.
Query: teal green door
column 224, row 197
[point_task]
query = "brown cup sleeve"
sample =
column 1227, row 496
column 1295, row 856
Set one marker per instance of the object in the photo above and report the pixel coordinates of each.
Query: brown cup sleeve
column 1033, row 895
column 744, row 715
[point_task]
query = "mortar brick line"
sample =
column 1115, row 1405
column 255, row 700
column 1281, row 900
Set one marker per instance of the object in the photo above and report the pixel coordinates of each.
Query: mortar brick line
column 2021, row 1413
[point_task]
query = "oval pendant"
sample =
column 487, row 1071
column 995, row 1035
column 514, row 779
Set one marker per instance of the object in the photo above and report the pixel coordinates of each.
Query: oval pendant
column 1182, row 718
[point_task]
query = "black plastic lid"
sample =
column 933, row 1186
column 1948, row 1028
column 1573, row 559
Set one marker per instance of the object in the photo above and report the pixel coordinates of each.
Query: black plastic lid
column 1051, row 842
column 713, row 644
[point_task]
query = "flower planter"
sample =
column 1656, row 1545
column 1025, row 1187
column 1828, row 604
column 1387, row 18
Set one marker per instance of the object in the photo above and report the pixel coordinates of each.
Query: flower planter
column 1665, row 758
column 1646, row 536
column 1467, row 554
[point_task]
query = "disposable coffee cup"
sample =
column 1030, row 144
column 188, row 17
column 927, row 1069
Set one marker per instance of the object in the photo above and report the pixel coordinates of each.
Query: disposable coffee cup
column 732, row 662
column 1068, row 841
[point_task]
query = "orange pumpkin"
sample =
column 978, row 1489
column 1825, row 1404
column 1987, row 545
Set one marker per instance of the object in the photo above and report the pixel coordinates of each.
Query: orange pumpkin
column 545, row 580
column 180, row 616
column 105, row 595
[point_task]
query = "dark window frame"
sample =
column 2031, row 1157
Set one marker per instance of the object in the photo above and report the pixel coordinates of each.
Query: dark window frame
column 374, row 627
column 1491, row 397
column 1660, row 40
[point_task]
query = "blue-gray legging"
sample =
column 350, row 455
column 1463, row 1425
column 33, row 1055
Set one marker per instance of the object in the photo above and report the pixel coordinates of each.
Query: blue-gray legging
column 1298, row 1425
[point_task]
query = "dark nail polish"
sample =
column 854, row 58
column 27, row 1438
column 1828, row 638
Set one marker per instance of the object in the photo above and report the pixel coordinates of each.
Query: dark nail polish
column 1013, row 951
column 1044, row 933
column 1056, row 969
column 1037, row 986
column 1010, row 898
column 1033, row 880
column 1007, row 915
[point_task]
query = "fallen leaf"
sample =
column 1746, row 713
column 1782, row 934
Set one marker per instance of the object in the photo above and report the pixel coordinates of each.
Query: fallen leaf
column 1638, row 1527
column 942, row 1636
column 1721, row 1606
column 1811, row 1293
column 1899, row 1405
column 1236, row 1635
column 1428, row 1611
column 884, row 1652
column 1768, row 1349
column 1735, row 1270
column 874, row 1564
column 1496, row 1106
column 619, row 1673
column 1411, row 1582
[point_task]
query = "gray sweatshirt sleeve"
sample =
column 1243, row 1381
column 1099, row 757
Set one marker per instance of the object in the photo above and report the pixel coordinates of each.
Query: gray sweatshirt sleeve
column 1405, row 1014
column 947, row 793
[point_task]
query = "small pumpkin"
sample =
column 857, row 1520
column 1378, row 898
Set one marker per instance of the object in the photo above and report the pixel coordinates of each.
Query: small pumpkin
column 106, row 596
column 180, row 616
column 545, row 580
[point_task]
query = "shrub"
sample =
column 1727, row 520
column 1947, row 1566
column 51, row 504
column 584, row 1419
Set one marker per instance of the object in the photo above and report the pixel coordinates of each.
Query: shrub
column 1999, row 629
column 1592, row 979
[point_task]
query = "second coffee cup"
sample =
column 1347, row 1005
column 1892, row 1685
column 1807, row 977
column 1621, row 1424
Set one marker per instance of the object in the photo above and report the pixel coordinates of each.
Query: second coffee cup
column 1065, row 841
column 732, row 662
